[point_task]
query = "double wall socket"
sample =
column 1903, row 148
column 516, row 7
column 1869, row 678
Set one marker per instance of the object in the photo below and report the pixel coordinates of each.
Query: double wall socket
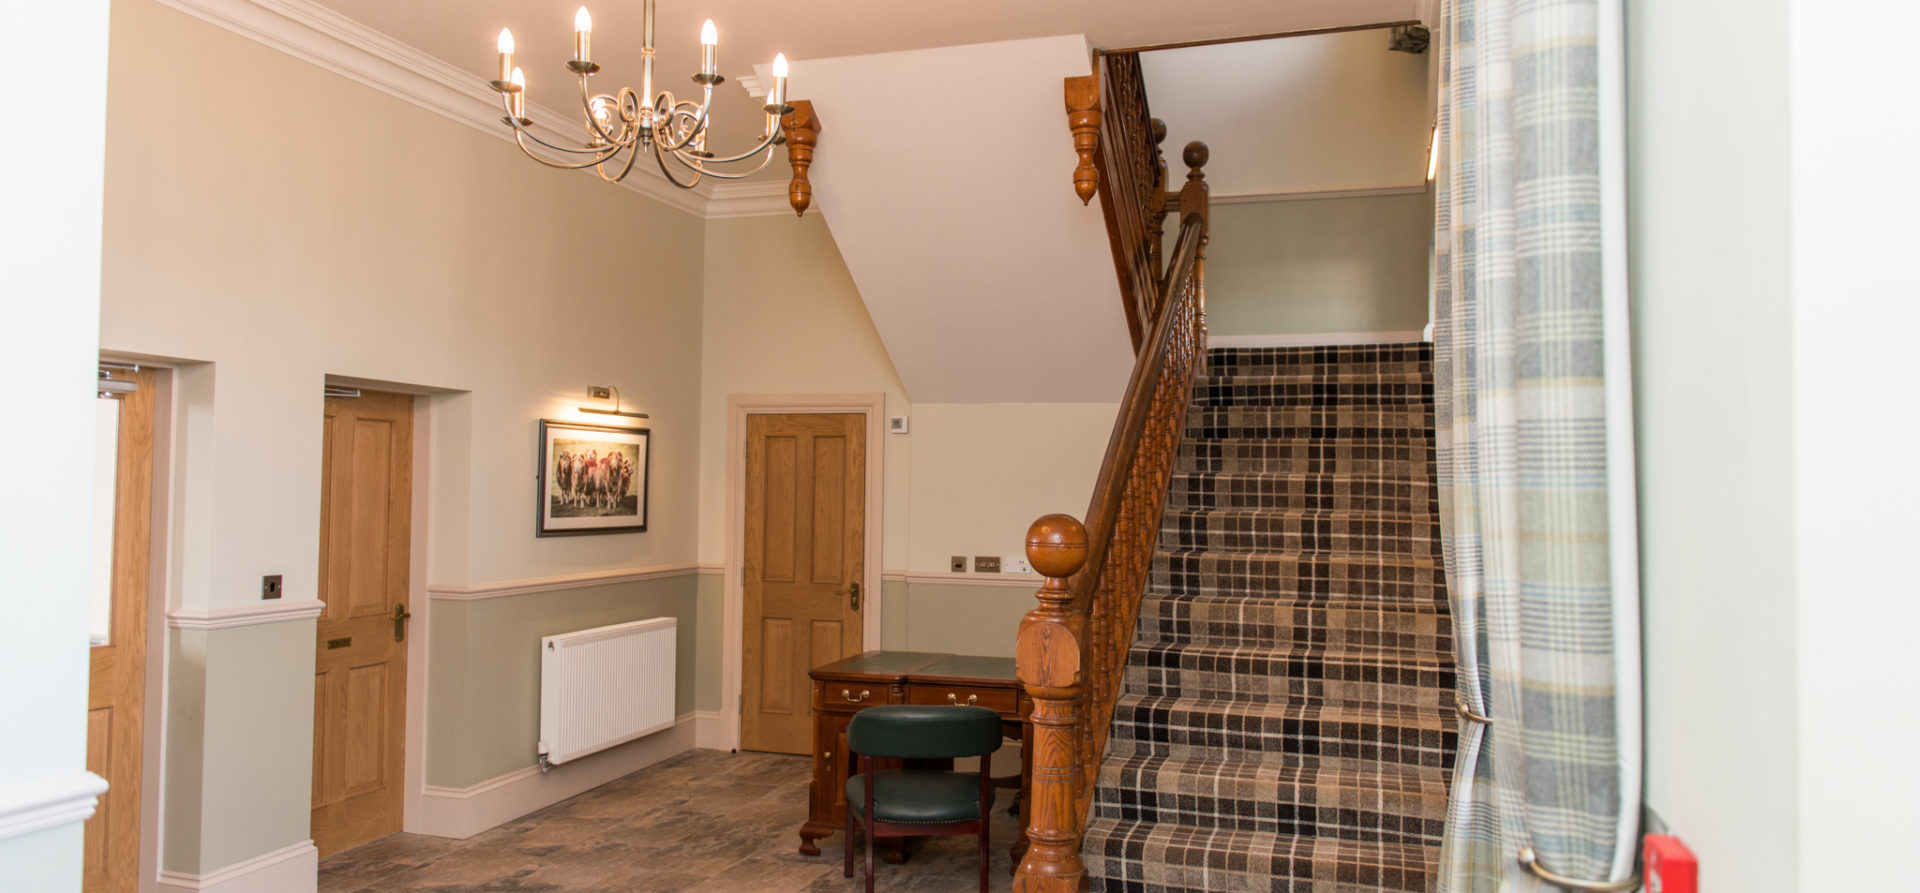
column 986, row 564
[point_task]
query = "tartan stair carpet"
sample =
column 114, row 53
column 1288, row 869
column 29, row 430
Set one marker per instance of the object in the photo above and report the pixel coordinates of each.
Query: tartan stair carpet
column 1286, row 719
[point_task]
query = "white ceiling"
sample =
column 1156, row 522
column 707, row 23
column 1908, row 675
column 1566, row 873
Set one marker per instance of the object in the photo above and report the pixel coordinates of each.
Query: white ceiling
column 1319, row 113
column 462, row 33
column 985, row 276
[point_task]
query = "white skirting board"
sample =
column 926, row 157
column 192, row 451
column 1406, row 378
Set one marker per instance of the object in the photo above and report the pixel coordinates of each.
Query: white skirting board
column 291, row 869
column 464, row 812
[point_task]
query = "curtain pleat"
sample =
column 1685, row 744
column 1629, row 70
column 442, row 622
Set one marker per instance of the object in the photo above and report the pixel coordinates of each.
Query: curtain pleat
column 1521, row 439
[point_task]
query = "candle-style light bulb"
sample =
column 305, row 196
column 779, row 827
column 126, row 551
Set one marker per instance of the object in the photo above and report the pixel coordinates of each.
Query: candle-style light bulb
column 519, row 97
column 506, row 55
column 709, row 49
column 583, row 35
column 779, row 95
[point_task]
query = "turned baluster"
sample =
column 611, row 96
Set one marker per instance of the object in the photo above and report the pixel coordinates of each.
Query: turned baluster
column 1050, row 659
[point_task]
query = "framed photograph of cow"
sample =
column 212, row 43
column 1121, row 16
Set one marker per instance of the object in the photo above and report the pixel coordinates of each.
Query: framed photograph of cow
column 593, row 479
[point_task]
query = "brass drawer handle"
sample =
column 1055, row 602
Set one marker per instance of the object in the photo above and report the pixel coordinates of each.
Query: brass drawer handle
column 853, row 700
column 955, row 699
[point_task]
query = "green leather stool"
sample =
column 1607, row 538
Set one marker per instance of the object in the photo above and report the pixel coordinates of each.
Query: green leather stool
column 920, row 802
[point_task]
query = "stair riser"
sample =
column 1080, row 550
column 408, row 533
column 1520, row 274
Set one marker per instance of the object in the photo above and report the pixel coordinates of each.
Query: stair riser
column 1382, row 395
column 1224, row 574
column 1223, row 735
column 1401, row 460
column 1144, row 858
column 1357, row 360
column 1245, row 533
column 1309, row 802
column 1358, row 423
column 1191, row 492
column 1353, row 625
column 1288, row 681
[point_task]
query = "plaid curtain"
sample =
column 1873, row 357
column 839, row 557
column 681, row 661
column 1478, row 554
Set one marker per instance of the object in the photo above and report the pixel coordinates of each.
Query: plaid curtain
column 1521, row 430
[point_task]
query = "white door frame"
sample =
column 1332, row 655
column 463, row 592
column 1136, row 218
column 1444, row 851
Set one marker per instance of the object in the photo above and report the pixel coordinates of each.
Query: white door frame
column 733, row 596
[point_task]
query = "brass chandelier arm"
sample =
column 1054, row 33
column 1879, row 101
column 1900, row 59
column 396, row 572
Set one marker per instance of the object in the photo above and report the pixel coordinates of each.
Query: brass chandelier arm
column 633, row 153
column 756, row 150
column 661, row 157
column 726, row 175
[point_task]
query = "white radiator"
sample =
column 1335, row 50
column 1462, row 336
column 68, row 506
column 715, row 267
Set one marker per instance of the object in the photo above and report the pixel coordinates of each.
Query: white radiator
column 605, row 686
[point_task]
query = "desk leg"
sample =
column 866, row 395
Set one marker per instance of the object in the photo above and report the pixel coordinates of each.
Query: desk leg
column 811, row 832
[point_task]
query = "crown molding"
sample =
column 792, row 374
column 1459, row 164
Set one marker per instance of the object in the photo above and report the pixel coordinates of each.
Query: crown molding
column 740, row 198
column 313, row 33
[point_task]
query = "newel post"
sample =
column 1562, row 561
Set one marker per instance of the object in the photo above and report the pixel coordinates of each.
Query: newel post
column 1048, row 656
column 1194, row 199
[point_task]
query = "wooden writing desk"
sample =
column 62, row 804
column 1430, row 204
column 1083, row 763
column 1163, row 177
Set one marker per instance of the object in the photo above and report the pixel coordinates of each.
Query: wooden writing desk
column 846, row 687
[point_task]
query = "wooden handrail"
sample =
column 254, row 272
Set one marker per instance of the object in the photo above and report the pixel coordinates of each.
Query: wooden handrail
column 1117, row 141
column 1072, row 648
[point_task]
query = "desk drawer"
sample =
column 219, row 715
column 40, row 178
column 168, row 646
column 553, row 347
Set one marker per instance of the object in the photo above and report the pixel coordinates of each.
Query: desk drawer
column 852, row 697
column 999, row 700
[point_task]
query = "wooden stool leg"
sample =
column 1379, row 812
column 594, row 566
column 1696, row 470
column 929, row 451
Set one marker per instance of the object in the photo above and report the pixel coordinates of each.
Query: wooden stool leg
column 847, row 847
column 866, row 818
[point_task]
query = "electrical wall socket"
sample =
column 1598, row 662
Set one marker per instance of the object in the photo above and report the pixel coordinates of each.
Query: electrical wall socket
column 1015, row 564
column 270, row 586
column 986, row 564
column 959, row 564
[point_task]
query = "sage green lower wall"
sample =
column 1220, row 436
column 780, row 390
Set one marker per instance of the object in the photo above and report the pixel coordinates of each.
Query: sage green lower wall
column 238, row 763
column 1319, row 265
column 483, row 673
column 960, row 618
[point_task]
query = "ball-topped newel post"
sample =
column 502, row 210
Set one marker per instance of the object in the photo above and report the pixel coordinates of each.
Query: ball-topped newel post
column 1057, row 547
column 1050, row 661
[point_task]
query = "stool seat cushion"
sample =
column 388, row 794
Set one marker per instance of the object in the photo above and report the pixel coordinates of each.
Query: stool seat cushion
column 920, row 796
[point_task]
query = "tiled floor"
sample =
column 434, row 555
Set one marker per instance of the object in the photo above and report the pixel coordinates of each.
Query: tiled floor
column 705, row 820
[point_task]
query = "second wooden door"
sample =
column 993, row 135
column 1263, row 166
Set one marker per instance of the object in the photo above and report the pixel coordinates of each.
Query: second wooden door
column 360, row 676
column 805, row 556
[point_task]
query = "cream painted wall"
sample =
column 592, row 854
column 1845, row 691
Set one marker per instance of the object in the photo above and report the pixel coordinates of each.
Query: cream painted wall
column 982, row 472
column 782, row 316
column 364, row 238
column 50, row 249
column 1715, row 413
column 1323, row 265
column 304, row 226
column 1296, row 114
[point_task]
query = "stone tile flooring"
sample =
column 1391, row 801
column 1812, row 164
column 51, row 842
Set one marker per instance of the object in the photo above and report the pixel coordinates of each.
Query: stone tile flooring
column 703, row 821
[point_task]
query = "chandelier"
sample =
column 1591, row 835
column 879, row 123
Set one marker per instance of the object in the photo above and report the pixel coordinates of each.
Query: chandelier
column 674, row 131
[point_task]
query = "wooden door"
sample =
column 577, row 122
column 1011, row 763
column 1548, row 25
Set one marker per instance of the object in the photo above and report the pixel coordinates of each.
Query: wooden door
column 805, row 554
column 360, row 673
column 116, row 688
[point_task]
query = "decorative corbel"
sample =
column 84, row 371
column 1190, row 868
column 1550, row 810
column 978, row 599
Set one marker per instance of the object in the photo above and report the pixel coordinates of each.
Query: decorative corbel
column 802, row 129
column 1083, row 118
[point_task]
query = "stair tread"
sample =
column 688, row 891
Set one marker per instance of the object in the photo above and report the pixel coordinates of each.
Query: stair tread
column 1223, row 860
column 1329, row 556
column 1375, row 654
column 1428, row 718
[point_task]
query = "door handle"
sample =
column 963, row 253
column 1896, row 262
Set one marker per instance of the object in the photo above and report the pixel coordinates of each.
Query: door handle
column 400, row 615
column 853, row 595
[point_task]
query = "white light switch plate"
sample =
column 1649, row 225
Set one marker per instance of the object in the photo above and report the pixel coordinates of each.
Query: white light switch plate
column 1015, row 564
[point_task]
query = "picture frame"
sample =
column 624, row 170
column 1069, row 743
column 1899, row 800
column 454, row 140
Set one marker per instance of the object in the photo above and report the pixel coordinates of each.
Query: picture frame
column 593, row 479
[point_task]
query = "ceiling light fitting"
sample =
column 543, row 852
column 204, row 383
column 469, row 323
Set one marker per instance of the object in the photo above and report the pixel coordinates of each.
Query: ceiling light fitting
column 640, row 121
column 605, row 392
